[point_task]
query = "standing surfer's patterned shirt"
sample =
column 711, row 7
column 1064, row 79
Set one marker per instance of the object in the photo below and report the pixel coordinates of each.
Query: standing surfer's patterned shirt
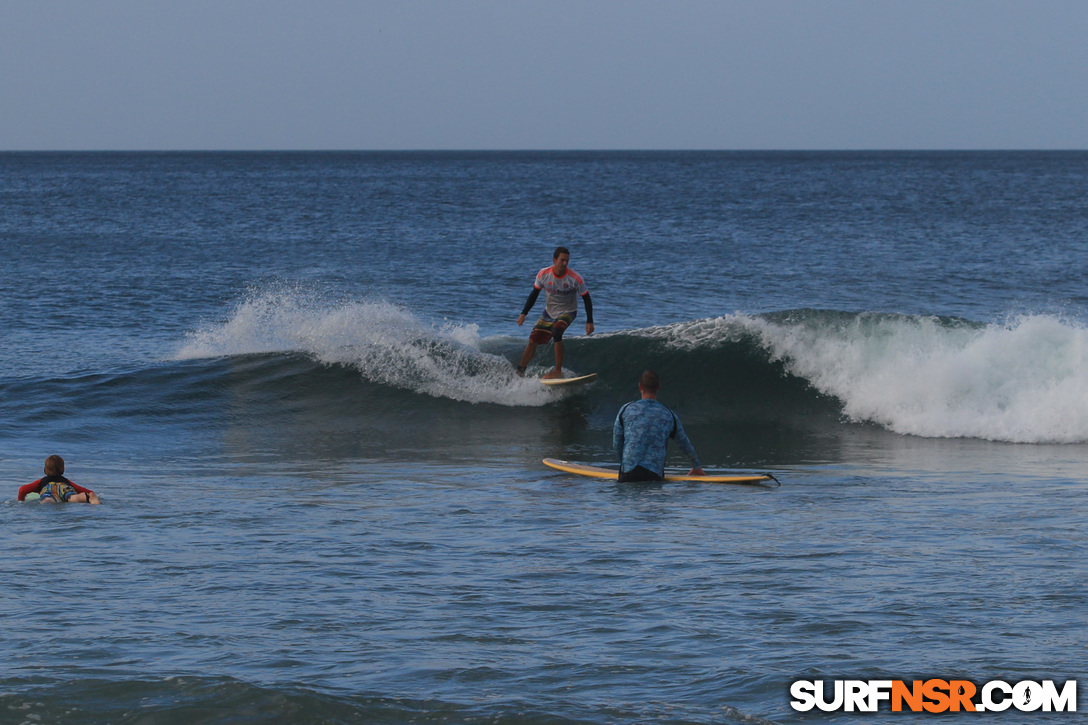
column 561, row 293
column 641, row 432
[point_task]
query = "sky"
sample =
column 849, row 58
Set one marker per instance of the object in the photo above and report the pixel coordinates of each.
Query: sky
column 543, row 74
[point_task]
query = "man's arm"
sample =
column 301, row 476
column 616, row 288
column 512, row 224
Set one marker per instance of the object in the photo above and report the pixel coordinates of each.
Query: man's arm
column 686, row 446
column 529, row 304
column 29, row 488
column 589, row 313
column 81, row 489
column 617, row 436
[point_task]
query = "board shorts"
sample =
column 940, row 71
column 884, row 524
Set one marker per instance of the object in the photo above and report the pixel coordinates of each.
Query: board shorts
column 638, row 474
column 548, row 328
column 57, row 491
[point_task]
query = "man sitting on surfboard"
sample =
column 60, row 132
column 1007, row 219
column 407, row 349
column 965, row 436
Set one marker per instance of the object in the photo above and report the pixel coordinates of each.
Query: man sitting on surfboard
column 641, row 432
column 562, row 286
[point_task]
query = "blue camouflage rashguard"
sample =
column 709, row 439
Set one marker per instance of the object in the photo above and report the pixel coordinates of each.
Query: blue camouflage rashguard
column 640, row 434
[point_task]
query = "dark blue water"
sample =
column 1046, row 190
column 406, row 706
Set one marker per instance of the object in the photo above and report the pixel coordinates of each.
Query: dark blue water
column 289, row 378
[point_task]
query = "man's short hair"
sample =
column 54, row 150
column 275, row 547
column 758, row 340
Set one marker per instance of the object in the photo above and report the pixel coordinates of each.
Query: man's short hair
column 54, row 466
column 649, row 381
column 558, row 251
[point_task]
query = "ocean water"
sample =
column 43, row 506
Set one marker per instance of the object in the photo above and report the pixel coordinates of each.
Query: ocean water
column 289, row 378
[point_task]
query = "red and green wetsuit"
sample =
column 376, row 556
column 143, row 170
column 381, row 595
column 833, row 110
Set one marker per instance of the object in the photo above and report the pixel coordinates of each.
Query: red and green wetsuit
column 41, row 483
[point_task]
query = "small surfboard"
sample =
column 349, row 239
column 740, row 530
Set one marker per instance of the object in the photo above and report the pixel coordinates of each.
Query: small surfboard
column 581, row 469
column 560, row 382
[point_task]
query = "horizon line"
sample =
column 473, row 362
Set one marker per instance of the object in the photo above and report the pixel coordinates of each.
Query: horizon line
column 543, row 150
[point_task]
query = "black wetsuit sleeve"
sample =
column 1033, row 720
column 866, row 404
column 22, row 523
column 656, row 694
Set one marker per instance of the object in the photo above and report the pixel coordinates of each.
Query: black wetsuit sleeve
column 531, row 301
column 589, row 308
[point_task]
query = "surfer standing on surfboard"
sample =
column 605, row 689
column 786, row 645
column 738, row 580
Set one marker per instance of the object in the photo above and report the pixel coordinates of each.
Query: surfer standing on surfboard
column 562, row 286
column 641, row 432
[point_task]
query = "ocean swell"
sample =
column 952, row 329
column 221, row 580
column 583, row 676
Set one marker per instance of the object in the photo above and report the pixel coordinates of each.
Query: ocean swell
column 1024, row 381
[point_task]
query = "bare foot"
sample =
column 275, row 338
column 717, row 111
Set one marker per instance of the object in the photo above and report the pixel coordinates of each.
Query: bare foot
column 553, row 374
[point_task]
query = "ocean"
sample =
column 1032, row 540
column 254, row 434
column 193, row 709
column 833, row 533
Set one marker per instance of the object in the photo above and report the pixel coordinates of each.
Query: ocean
column 289, row 377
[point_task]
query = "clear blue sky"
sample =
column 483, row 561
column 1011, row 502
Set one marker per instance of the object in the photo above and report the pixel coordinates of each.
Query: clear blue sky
column 543, row 74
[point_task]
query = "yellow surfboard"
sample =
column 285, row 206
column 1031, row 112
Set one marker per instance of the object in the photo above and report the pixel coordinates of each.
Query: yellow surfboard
column 554, row 382
column 582, row 469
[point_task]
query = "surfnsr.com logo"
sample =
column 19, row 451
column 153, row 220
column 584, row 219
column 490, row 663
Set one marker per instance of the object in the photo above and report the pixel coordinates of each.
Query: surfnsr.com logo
column 934, row 696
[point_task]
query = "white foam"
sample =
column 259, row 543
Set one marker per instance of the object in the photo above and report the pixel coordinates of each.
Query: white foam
column 695, row 334
column 1023, row 381
column 387, row 343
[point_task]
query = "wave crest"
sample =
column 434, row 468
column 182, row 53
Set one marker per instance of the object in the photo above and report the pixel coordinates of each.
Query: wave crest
column 386, row 343
column 1024, row 381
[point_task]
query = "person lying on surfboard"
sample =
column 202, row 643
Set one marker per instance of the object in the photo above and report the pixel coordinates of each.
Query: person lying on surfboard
column 55, row 488
column 562, row 286
column 641, row 432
